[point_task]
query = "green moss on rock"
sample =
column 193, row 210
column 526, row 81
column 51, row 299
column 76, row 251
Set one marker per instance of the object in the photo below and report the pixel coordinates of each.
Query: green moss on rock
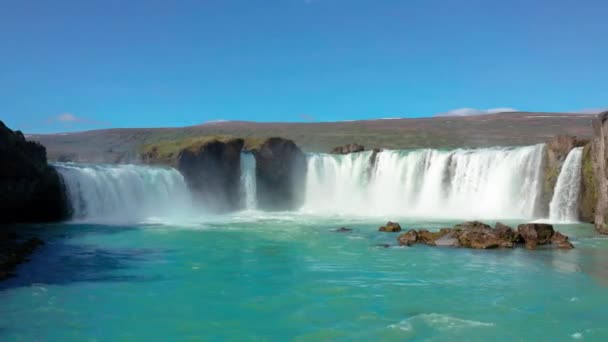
column 588, row 198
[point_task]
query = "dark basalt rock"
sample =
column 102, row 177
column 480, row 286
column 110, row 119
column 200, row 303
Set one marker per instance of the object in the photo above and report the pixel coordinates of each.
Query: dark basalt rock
column 390, row 227
column 281, row 174
column 30, row 189
column 14, row 251
column 213, row 172
column 349, row 148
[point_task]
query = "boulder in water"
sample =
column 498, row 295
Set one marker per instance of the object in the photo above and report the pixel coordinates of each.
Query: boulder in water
column 408, row 238
column 561, row 241
column 390, row 227
column 478, row 235
column 481, row 238
column 535, row 234
column 429, row 238
column 348, row 148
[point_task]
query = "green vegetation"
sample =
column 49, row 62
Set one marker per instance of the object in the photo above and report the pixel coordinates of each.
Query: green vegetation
column 166, row 152
column 588, row 199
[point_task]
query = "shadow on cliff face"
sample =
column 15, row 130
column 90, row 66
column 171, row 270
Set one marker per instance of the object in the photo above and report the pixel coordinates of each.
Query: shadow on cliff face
column 59, row 263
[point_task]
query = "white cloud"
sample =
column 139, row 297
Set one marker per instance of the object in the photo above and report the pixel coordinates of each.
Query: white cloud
column 71, row 119
column 475, row 111
column 67, row 117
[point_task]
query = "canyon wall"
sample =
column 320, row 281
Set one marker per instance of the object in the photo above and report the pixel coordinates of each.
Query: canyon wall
column 30, row 189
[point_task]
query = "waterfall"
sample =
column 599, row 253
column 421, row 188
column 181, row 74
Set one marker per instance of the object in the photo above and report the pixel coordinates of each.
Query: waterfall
column 564, row 204
column 123, row 192
column 248, row 181
column 477, row 183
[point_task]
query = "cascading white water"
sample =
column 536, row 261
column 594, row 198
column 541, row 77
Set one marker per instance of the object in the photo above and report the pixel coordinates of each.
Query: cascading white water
column 248, row 180
column 564, row 204
column 107, row 193
column 480, row 183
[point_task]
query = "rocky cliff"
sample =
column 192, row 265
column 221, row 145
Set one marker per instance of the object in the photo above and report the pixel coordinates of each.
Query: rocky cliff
column 599, row 158
column 588, row 194
column 30, row 189
column 211, row 167
column 556, row 151
column 281, row 174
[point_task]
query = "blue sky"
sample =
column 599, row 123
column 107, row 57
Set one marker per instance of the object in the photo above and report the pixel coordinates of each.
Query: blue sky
column 74, row 65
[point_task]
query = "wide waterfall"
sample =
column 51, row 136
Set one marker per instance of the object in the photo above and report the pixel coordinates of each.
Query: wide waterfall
column 123, row 192
column 248, row 181
column 470, row 184
column 564, row 204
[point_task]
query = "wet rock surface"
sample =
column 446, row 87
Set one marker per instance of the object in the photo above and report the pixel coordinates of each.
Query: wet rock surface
column 280, row 174
column 15, row 250
column 348, row 148
column 477, row 235
column 213, row 169
column 390, row 227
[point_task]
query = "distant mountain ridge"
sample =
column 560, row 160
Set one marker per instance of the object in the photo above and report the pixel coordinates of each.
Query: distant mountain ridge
column 503, row 129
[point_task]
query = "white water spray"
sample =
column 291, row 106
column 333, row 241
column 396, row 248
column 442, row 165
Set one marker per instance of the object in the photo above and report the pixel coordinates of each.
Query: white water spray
column 481, row 183
column 117, row 193
column 248, row 180
column 564, row 204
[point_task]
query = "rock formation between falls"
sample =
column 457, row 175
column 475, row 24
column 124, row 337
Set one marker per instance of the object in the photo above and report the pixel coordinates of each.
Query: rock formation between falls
column 211, row 167
column 30, row 190
column 280, row 174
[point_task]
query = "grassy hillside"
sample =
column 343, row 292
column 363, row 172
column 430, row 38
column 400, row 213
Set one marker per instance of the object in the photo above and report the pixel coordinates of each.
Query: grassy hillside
column 513, row 129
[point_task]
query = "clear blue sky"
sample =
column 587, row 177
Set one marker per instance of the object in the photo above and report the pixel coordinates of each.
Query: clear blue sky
column 73, row 65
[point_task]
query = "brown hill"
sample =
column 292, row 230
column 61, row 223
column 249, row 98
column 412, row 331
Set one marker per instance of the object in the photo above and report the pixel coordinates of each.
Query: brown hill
column 505, row 129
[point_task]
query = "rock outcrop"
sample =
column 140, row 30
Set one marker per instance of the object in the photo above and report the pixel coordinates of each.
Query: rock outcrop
column 280, row 174
column 589, row 189
column 349, row 148
column 30, row 189
column 556, row 151
column 599, row 156
column 477, row 235
column 212, row 171
column 390, row 227
column 14, row 251
column 535, row 234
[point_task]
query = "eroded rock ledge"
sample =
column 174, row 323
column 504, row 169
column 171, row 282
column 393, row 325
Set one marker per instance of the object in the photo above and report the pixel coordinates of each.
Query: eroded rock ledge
column 478, row 235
